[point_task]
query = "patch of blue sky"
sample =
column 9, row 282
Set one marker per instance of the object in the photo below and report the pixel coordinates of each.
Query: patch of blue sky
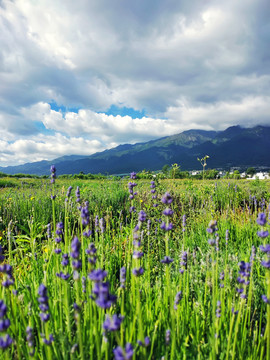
column 54, row 106
column 123, row 111
column 42, row 128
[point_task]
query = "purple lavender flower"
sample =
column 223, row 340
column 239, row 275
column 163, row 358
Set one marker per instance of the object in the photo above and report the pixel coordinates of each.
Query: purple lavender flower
column 184, row 223
column 212, row 242
column 3, row 309
column 133, row 175
column 137, row 254
column 184, row 259
column 146, row 342
column 138, row 271
column 102, row 296
column 65, row 260
column 266, row 264
column 30, row 340
column 218, row 310
column 168, row 337
column 262, row 233
column 85, row 214
column 165, row 227
column 123, row 273
column 78, row 194
column 123, row 354
column 87, row 233
column 53, row 174
column 177, row 299
column 261, row 220
column 167, row 199
column 49, row 231
column 113, row 323
column 43, row 303
column 102, row 225
column 212, row 227
column 142, row 216
column 68, row 193
column 265, row 299
column 166, row 260
column 227, row 236
column 265, row 249
column 75, row 248
column 132, row 209
column 63, row 276
column 97, row 275
column 48, row 341
column 5, row 341
column 168, row 212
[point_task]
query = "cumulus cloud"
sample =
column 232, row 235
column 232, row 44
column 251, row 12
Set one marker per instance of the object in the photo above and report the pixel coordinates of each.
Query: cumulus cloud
column 187, row 64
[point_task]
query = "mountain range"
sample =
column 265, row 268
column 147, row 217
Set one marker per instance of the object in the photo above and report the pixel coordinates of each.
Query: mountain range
column 234, row 147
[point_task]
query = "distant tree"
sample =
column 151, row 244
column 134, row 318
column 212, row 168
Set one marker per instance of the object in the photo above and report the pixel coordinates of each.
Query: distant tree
column 236, row 174
column 251, row 171
column 166, row 169
column 211, row 174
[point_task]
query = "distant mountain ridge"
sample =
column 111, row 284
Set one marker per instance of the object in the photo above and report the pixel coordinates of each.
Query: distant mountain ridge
column 233, row 147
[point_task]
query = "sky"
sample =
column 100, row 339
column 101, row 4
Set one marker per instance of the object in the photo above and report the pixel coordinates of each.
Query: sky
column 79, row 77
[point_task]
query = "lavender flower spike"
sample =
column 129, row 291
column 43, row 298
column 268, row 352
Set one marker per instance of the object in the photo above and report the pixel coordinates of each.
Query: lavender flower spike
column 123, row 354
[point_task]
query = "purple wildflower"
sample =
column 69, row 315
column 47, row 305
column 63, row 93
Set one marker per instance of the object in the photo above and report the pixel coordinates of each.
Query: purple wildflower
column 43, row 303
column 113, row 323
column 68, row 193
column 5, row 341
column 53, row 174
column 265, row 299
column 102, row 296
column 123, row 273
column 142, row 216
column 165, row 227
column 266, row 264
column 167, row 199
column 137, row 254
column 261, row 220
column 30, row 340
column 75, row 247
column 265, row 249
column 48, row 341
column 177, row 299
column 138, row 271
column 133, row 175
column 166, row 260
column 168, row 337
column 85, row 214
column 65, row 260
column 63, row 276
column 168, row 212
column 212, row 227
column 218, row 310
column 49, row 231
column 263, row 233
column 146, row 342
column 123, row 354
column 97, row 275
column 78, row 194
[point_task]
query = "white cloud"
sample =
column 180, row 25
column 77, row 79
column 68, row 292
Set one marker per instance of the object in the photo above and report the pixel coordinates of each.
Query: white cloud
column 187, row 64
column 249, row 111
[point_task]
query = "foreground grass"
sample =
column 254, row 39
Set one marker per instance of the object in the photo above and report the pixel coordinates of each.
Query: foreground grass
column 186, row 299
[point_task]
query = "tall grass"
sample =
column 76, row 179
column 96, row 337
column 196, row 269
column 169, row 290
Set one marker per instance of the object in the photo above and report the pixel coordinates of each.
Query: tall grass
column 111, row 278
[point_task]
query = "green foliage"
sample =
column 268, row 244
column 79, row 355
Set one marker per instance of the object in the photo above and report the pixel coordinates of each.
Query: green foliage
column 148, row 303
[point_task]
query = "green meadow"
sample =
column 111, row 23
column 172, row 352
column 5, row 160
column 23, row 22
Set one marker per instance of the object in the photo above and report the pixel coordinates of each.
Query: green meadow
column 134, row 269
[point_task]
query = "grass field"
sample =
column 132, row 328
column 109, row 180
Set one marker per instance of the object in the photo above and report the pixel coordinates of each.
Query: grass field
column 127, row 269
